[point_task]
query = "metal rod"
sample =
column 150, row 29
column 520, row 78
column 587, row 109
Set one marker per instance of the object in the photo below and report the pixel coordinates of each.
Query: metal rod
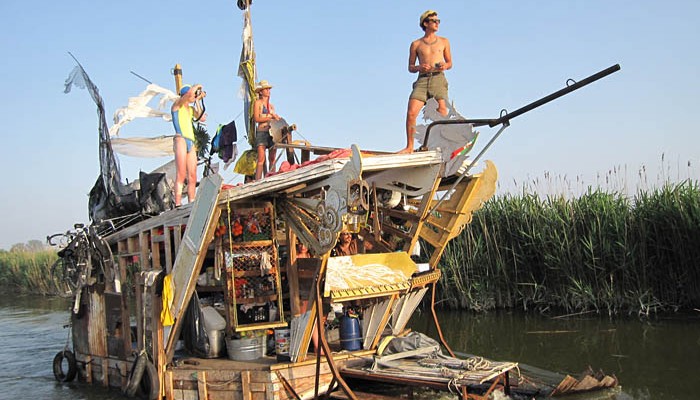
column 557, row 94
column 507, row 117
column 437, row 323
column 139, row 76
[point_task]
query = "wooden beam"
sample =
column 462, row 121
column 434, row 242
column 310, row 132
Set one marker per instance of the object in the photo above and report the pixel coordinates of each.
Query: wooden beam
column 245, row 383
column 168, row 245
column 293, row 273
column 155, row 250
column 202, row 385
column 144, row 249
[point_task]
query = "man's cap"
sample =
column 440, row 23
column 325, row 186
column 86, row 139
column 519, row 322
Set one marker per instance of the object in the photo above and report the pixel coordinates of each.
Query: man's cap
column 184, row 89
column 263, row 85
column 425, row 15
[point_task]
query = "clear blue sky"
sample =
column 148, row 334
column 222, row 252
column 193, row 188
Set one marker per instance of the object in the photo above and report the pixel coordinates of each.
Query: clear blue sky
column 339, row 71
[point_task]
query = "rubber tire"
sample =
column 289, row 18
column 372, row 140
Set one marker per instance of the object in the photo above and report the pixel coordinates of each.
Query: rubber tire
column 135, row 375
column 149, row 387
column 140, row 384
column 58, row 366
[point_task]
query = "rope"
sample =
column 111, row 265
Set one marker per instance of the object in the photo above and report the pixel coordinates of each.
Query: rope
column 477, row 364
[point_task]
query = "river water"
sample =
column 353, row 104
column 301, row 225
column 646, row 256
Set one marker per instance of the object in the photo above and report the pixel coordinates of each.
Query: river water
column 656, row 359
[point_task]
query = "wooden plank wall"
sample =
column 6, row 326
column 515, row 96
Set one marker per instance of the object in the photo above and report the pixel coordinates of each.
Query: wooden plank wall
column 186, row 384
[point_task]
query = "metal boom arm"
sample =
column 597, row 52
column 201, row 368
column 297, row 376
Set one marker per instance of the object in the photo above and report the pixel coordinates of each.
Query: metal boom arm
column 505, row 119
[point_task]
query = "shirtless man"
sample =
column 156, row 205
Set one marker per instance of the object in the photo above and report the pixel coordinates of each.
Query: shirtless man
column 434, row 57
column 263, row 113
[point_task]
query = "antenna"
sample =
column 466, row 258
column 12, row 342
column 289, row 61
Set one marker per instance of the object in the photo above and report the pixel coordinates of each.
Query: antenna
column 149, row 82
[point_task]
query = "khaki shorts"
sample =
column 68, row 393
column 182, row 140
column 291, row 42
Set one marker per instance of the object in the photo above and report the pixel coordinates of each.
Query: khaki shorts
column 429, row 86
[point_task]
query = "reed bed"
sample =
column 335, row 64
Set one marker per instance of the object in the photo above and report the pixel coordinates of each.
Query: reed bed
column 603, row 252
column 27, row 271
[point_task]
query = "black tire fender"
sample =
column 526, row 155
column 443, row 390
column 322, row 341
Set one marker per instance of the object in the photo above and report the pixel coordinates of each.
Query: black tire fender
column 136, row 374
column 150, row 385
column 143, row 379
column 58, row 372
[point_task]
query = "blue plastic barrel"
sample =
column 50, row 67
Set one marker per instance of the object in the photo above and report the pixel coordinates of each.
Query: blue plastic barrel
column 350, row 333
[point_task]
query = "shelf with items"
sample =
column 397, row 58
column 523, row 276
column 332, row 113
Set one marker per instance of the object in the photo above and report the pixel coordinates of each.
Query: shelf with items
column 247, row 252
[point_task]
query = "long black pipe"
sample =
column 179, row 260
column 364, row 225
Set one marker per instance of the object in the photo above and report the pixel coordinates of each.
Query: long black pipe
column 505, row 119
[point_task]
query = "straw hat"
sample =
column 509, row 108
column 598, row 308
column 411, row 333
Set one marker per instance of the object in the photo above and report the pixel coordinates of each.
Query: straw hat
column 263, row 85
column 424, row 16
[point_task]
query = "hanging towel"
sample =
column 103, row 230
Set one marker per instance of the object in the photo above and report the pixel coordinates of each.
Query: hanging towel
column 166, row 317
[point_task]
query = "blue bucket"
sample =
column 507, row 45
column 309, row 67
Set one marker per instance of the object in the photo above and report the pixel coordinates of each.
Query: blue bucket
column 350, row 333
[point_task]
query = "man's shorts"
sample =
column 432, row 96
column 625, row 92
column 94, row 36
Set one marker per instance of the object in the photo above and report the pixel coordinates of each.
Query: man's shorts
column 427, row 86
column 263, row 138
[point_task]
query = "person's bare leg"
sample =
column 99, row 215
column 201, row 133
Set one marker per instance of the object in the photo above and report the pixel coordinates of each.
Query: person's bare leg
column 442, row 107
column 414, row 106
column 180, row 148
column 261, row 163
column 191, row 174
column 272, row 155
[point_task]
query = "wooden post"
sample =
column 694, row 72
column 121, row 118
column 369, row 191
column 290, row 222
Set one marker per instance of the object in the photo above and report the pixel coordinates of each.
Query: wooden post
column 245, row 385
column 144, row 254
column 293, row 273
column 177, row 71
column 202, row 385
column 105, row 372
column 168, row 249
column 169, row 395
column 155, row 250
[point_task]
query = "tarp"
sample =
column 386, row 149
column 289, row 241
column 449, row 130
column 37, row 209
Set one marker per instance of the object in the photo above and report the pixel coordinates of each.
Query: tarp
column 110, row 198
column 368, row 270
column 137, row 107
column 248, row 72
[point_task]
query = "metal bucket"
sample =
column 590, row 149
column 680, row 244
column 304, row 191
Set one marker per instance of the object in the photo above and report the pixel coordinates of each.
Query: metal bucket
column 282, row 344
column 245, row 349
column 216, row 343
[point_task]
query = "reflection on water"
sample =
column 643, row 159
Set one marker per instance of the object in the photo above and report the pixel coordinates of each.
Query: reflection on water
column 657, row 359
column 32, row 333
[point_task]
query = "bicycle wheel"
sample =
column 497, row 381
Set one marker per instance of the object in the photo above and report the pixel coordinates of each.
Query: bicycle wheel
column 65, row 276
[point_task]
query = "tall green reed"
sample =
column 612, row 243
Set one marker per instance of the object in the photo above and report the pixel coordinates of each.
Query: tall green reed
column 601, row 251
column 27, row 271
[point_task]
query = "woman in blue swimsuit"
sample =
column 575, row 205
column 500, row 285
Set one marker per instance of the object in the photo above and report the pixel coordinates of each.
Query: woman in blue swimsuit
column 183, row 142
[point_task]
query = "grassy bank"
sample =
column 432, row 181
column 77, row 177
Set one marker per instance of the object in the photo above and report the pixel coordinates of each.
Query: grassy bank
column 601, row 251
column 27, row 271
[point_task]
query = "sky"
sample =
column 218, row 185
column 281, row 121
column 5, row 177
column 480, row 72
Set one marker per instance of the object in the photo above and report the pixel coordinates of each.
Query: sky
column 340, row 73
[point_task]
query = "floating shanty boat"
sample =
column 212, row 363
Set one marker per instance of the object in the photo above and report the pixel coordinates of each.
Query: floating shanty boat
column 212, row 301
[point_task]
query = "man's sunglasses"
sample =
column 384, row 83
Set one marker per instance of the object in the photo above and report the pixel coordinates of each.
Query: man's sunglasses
column 437, row 21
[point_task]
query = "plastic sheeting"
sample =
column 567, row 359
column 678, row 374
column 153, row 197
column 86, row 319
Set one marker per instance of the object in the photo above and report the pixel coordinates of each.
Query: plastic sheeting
column 137, row 107
column 110, row 198
column 148, row 147
column 194, row 333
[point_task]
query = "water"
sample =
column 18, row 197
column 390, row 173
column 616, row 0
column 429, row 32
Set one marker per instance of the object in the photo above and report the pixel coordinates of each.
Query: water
column 657, row 359
column 31, row 334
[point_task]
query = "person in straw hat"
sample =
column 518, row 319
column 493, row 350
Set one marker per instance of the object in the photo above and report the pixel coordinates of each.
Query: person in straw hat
column 434, row 57
column 263, row 113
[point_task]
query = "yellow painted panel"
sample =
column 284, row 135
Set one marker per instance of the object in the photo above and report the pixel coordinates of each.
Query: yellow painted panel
column 367, row 270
